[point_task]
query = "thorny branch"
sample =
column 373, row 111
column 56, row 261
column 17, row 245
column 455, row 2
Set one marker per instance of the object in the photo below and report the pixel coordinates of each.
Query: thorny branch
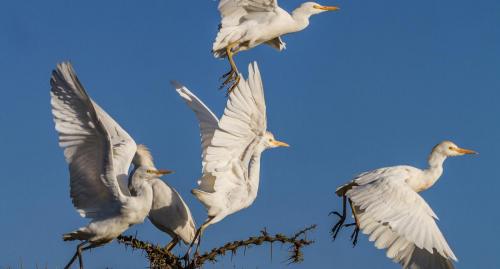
column 159, row 258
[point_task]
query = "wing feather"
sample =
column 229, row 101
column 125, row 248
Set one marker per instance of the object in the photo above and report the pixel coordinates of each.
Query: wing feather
column 87, row 146
column 398, row 219
column 207, row 120
column 232, row 139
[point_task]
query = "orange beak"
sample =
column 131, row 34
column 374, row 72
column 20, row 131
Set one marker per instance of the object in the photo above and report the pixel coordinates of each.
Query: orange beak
column 326, row 8
column 280, row 144
column 465, row 151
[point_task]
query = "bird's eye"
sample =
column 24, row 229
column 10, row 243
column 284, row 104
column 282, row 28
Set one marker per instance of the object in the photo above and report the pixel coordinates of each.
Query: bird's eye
column 450, row 147
column 149, row 171
column 270, row 140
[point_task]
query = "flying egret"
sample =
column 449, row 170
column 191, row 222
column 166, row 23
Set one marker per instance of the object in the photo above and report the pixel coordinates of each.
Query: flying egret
column 99, row 153
column 169, row 213
column 231, row 148
column 248, row 23
column 386, row 206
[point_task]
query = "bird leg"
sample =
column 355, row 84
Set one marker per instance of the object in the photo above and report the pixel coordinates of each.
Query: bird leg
column 338, row 226
column 78, row 253
column 172, row 244
column 355, row 233
column 197, row 237
column 233, row 75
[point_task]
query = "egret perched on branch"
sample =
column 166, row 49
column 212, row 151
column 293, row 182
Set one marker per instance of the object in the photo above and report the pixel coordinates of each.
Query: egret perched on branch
column 386, row 206
column 99, row 153
column 169, row 213
column 231, row 148
column 249, row 23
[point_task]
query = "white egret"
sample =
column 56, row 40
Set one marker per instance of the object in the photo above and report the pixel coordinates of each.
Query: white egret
column 231, row 148
column 248, row 23
column 99, row 153
column 386, row 206
column 169, row 213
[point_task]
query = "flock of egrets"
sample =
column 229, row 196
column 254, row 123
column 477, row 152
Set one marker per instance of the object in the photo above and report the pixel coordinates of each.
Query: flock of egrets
column 385, row 203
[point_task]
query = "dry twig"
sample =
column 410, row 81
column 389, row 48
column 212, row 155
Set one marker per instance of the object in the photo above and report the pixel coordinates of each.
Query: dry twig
column 159, row 258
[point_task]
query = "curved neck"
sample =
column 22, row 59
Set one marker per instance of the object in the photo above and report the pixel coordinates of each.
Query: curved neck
column 137, row 185
column 435, row 169
column 301, row 18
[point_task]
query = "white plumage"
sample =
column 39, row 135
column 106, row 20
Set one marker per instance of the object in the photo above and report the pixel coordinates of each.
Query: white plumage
column 231, row 148
column 99, row 153
column 169, row 213
column 249, row 23
column 387, row 207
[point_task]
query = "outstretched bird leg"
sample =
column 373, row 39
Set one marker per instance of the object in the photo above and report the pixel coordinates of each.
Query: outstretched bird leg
column 172, row 244
column 233, row 75
column 197, row 237
column 336, row 229
column 78, row 253
column 355, row 233
column 79, row 249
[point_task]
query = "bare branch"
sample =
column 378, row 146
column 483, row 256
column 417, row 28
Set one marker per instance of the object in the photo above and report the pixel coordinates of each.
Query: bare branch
column 159, row 258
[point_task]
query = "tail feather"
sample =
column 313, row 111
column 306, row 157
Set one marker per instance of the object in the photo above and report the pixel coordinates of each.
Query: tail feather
column 80, row 234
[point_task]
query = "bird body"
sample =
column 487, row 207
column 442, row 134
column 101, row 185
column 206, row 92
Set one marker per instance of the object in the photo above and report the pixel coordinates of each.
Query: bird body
column 170, row 214
column 231, row 148
column 133, row 210
column 248, row 23
column 240, row 192
column 99, row 153
column 387, row 207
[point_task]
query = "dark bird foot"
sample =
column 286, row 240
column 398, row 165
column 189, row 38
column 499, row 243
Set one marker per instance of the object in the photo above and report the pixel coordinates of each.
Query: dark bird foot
column 338, row 226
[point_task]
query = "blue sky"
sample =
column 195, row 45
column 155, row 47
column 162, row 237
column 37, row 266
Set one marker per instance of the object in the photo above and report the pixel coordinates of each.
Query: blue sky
column 377, row 84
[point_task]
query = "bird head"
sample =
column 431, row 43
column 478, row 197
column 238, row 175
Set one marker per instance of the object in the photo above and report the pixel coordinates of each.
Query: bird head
column 315, row 8
column 270, row 142
column 450, row 149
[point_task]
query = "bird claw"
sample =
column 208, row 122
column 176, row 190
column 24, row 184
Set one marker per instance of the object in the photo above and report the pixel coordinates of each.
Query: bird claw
column 335, row 213
column 235, row 83
column 185, row 259
column 338, row 226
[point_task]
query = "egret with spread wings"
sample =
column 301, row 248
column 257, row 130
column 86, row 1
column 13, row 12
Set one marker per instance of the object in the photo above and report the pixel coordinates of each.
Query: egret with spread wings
column 386, row 206
column 169, row 213
column 99, row 153
column 249, row 23
column 231, row 148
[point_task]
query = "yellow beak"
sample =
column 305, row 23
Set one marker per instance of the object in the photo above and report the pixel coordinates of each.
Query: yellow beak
column 160, row 172
column 327, row 8
column 280, row 144
column 465, row 151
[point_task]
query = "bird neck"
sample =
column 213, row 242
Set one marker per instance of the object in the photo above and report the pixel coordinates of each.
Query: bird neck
column 137, row 185
column 301, row 18
column 435, row 169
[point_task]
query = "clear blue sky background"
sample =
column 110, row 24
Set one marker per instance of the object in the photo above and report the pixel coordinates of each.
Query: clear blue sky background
column 377, row 84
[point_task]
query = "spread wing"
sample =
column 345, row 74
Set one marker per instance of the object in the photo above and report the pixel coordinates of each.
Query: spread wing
column 88, row 146
column 233, row 13
column 123, row 145
column 207, row 120
column 238, row 8
column 398, row 219
column 227, row 155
